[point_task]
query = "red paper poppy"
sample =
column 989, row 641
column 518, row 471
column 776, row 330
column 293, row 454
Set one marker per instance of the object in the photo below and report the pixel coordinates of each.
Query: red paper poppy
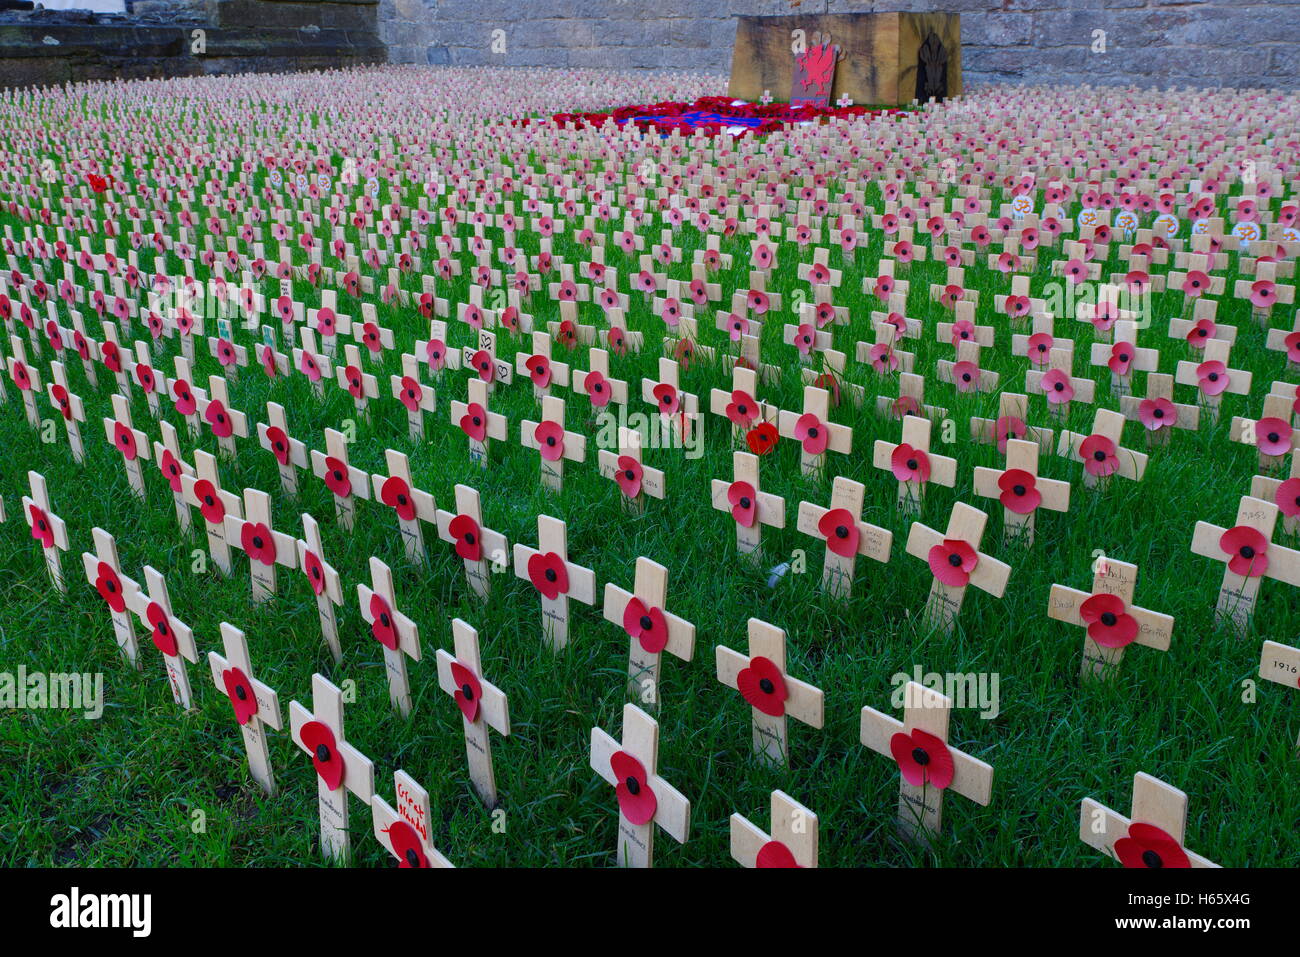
column 962, row 330
column 744, row 503
column 210, row 504
column 1121, row 358
column 1248, row 551
column 814, row 435
column 279, row 443
column 1148, row 846
column 883, row 358
column 268, row 362
column 762, row 438
column 112, row 357
column 337, row 478
column 1212, row 377
column 1008, row 427
column 435, row 353
column 474, row 422
column 1057, row 386
column 1273, row 436
column 1099, row 458
column 466, row 532
column 164, row 637
column 318, row 739
column 483, row 363
column 468, row 691
column 22, row 378
column 598, row 389
column 617, row 340
column 1287, row 497
column 109, row 587
column 1203, row 330
column 742, row 409
column 1156, row 414
column 240, row 692
column 636, row 800
column 567, row 335
column 183, row 397
column 406, row 845
column 356, row 385
column 549, row 575
column 646, row 625
column 550, row 440
column 763, row 686
column 840, row 530
column 952, row 561
column 923, row 759
column 667, row 398
column 1108, row 621
column 62, row 400
column 256, row 539
column 314, row 569
column 382, row 625
column 539, row 370
column 909, row 464
column 775, row 854
column 1019, row 491
column 396, row 494
column 41, row 528
column 219, row 419
column 628, row 476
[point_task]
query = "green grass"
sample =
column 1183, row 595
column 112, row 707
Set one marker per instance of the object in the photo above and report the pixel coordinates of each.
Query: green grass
column 125, row 790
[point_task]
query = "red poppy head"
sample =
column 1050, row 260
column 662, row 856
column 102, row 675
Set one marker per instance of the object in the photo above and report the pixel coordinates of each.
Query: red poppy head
column 406, row 845
column 647, row 625
column 279, row 443
column 1273, row 436
column 763, row 686
column 164, row 637
column 219, row 419
column 924, row 760
column 804, row 337
column 1057, row 386
column 628, row 476
column 617, row 339
column 667, row 398
column 396, row 494
column 909, row 464
column 840, row 530
column 1263, row 293
column 184, row 398
column 1019, row 493
column 636, row 801
column 811, row 431
column 468, row 538
column 1121, row 358
column 41, row 528
column 1008, row 427
column 550, row 440
column 965, row 376
column 435, row 353
column 474, row 422
column 1203, row 330
column 1108, row 621
column 256, row 539
column 1288, row 497
column 952, row 561
column 382, row 625
column 240, row 692
column 1157, row 414
column 356, row 385
column 568, row 334
column 549, row 575
column 482, row 363
column 1212, row 377
column 744, row 503
column 757, row 302
column 1148, row 846
column 22, row 378
column 742, row 409
column 124, row 439
column 210, row 504
column 1247, row 551
column 762, row 438
column 318, row 739
column 337, row 478
column 883, row 358
column 1099, row 458
column 62, row 400
column 539, row 370
column 325, row 324
column 314, row 569
column 962, row 330
column 775, row 854
column 598, row 389
column 109, row 587
column 1292, row 345
column 468, row 691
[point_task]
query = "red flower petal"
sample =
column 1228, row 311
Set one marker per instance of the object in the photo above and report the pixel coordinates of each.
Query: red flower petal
column 468, row 691
column 647, row 625
column 314, row 569
column 337, row 478
column 909, row 464
column 775, row 854
column 923, row 759
column 240, row 692
column 952, row 561
column 468, row 537
column 1108, row 623
column 474, row 422
column 164, row 637
column 319, row 741
column 396, row 494
column 840, row 530
column 763, row 686
column 1149, row 846
column 548, row 573
column 1019, row 491
column 210, row 504
column 550, row 440
column 406, row 845
column 256, row 539
column 628, row 476
column 762, row 438
column 814, row 435
column 1248, row 551
column 41, row 528
column 635, row 799
column 744, row 503
column 382, row 625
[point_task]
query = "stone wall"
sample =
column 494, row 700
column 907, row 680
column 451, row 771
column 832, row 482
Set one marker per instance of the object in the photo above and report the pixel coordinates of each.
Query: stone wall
column 1239, row 43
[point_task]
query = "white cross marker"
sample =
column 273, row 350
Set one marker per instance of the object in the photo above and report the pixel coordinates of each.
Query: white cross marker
column 255, row 704
column 482, row 706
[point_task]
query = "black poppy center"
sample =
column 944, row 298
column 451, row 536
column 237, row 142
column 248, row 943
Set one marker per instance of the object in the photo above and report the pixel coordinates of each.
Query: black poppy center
column 1213, row 377
column 841, row 531
column 745, row 502
column 1059, row 387
column 322, row 753
column 467, row 691
column 257, row 541
column 633, row 786
column 412, row 858
column 1158, row 413
column 1018, row 489
column 550, row 575
column 646, row 623
column 597, row 388
column 241, row 693
column 812, row 433
column 954, row 560
column 550, row 440
column 477, row 420
column 767, row 686
column 912, row 464
column 1247, row 551
column 469, row 538
column 1273, row 437
column 629, row 474
column 1152, row 859
column 920, row 756
column 1108, row 619
column 1123, row 357
column 965, row 377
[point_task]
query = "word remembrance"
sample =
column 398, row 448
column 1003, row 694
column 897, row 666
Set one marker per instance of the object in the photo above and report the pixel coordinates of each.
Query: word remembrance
column 481, row 466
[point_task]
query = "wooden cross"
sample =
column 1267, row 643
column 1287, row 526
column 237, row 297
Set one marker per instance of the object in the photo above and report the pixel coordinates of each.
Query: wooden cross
column 482, row 549
column 676, row 408
column 46, row 527
column 633, row 478
column 339, row 766
column 121, row 594
column 1158, row 412
column 792, row 842
column 1152, row 837
column 644, row 798
column 749, row 505
column 416, row 396
column 1058, row 385
column 814, row 430
column 346, row 482
column 1112, row 620
column 956, row 563
column 28, row 380
column 69, row 406
column 264, row 546
column 1101, row 453
column 482, row 358
column 130, row 442
column 1282, row 492
column 1011, row 423
column 146, row 378
column 544, row 371
column 323, row 581
column 913, row 464
column 167, row 455
column 651, row 629
column 1021, row 490
column 183, row 394
column 290, row 454
column 227, row 423
column 482, row 705
column 404, row 831
column 1271, row 434
column 552, row 442
column 1280, row 663
column 256, row 704
column 929, row 766
column 1249, row 556
column 845, row 534
column 352, row 379
column 1123, row 357
column 173, row 638
column 477, row 422
column 772, row 694
column 203, row 491
column 596, row 383
column 316, row 366
column 556, row 579
column 1212, row 377
column 399, row 635
column 412, row 505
